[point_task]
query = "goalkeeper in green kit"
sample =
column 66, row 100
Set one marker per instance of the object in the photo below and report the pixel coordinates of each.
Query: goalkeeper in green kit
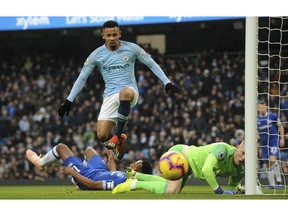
column 205, row 163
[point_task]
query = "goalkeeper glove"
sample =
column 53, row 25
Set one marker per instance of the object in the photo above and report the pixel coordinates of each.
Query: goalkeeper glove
column 240, row 189
column 170, row 87
column 64, row 108
column 219, row 190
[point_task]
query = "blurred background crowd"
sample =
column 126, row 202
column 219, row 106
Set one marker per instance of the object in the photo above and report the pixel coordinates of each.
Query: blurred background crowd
column 210, row 108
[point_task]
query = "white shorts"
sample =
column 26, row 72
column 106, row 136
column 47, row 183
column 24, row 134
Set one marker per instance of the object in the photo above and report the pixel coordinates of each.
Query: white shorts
column 109, row 108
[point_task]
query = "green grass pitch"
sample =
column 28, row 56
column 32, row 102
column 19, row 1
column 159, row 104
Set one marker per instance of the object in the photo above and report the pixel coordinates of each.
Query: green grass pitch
column 70, row 192
column 195, row 200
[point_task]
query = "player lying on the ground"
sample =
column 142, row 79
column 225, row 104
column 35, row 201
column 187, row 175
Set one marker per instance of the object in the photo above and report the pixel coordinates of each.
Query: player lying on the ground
column 93, row 175
column 205, row 162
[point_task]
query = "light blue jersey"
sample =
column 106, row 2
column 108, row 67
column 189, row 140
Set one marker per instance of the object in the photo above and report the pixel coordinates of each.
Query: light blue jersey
column 117, row 68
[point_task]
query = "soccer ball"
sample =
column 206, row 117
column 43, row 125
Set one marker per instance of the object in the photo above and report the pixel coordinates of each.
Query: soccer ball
column 173, row 165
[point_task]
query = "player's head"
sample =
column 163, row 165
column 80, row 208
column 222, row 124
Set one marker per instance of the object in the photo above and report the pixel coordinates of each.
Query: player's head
column 239, row 154
column 262, row 108
column 142, row 166
column 111, row 34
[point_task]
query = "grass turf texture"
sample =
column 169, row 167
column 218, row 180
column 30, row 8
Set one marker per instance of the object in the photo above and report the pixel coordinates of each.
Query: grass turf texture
column 69, row 192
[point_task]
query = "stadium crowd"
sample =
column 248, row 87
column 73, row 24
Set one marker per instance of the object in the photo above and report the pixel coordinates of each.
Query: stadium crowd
column 210, row 108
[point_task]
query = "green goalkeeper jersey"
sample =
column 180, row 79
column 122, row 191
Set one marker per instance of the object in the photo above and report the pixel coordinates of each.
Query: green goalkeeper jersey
column 208, row 162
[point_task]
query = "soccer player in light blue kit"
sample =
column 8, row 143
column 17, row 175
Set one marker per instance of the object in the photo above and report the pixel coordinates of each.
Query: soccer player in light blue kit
column 91, row 174
column 116, row 61
column 269, row 128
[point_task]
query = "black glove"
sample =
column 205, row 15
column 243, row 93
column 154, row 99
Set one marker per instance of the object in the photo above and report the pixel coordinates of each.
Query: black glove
column 64, row 108
column 170, row 87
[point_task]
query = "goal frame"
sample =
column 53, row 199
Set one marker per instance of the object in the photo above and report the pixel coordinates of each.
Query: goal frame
column 251, row 67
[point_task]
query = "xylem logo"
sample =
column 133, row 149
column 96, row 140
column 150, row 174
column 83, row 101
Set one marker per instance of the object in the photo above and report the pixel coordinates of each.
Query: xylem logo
column 26, row 22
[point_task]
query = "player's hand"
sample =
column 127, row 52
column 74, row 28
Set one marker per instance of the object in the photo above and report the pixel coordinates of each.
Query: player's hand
column 64, row 108
column 240, row 189
column 170, row 87
column 66, row 170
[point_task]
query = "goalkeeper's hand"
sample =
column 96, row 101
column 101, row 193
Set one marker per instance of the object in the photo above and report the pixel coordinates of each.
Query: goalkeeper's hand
column 219, row 190
column 240, row 189
column 64, row 108
column 170, row 87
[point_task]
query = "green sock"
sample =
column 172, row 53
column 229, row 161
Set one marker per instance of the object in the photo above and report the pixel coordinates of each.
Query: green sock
column 147, row 177
column 156, row 187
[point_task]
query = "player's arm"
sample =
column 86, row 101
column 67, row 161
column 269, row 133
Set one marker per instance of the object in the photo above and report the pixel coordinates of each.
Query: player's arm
column 210, row 176
column 94, row 185
column 81, row 80
column 146, row 59
column 208, row 172
column 87, row 69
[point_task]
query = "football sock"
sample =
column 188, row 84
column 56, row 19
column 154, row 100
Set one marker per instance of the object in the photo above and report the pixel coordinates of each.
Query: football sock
column 271, row 179
column 49, row 157
column 123, row 113
column 156, row 187
column 147, row 177
column 277, row 172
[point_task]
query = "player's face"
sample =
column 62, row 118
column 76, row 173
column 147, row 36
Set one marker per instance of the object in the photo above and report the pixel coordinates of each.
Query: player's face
column 239, row 155
column 111, row 37
column 137, row 166
column 262, row 109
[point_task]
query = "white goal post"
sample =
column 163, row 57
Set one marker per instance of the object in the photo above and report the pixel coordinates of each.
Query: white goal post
column 266, row 78
column 250, row 105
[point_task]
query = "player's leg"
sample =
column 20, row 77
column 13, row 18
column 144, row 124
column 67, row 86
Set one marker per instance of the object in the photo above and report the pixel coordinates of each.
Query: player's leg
column 126, row 99
column 107, row 119
column 266, row 166
column 90, row 152
column 126, row 96
column 157, row 187
column 104, row 129
column 94, row 160
column 275, row 168
column 60, row 151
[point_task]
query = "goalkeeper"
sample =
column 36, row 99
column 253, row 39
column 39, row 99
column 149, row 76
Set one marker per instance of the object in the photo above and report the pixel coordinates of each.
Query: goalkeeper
column 205, row 162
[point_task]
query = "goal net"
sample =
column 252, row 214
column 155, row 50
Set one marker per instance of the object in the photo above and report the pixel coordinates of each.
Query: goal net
column 272, row 104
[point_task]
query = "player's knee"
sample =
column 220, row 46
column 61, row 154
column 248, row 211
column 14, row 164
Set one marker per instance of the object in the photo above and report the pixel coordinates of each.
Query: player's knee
column 90, row 150
column 60, row 147
column 126, row 94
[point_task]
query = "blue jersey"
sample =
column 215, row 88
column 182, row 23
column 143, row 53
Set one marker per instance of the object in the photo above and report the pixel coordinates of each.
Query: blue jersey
column 268, row 129
column 96, row 170
column 117, row 68
column 269, row 135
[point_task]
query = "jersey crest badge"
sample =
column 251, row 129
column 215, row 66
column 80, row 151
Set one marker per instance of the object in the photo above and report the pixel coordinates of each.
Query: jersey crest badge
column 221, row 156
column 125, row 58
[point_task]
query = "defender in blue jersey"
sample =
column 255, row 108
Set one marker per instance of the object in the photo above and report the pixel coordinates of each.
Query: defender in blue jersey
column 92, row 174
column 115, row 60
column 270, row 130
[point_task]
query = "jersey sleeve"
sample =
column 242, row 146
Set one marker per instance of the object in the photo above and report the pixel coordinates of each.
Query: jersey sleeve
column 85, row 72
column 146, row 59
column 217, row 154
column 208, row 172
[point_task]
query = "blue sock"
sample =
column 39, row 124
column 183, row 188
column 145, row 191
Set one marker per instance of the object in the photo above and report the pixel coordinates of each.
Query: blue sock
column 123, row 113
